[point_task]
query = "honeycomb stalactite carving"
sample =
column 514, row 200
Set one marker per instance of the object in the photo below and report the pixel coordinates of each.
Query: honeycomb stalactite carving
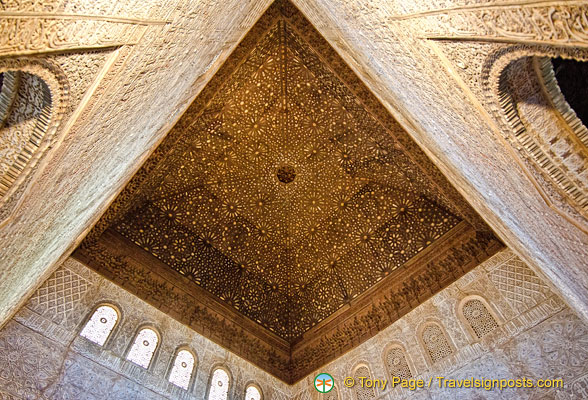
column 25, row 112
column 545, row 130
column 479, row 318
column 33, row 99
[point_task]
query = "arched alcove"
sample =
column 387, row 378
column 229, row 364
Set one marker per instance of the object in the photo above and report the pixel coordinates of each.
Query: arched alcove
column 435, row 342
column 397, row 362
column 33, row 96
column 362, row 392
column 541, row 125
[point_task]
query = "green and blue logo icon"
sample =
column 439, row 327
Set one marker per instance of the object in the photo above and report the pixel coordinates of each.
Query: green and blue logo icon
column 324, row 383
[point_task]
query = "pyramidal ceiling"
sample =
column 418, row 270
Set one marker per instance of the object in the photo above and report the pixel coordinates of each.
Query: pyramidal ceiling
column 287, row 216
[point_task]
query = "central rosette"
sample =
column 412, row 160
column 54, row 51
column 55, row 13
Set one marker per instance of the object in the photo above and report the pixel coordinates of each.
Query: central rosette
column 286, row 173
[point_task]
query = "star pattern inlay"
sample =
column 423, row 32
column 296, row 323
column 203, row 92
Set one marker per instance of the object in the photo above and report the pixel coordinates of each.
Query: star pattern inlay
column 286, row 247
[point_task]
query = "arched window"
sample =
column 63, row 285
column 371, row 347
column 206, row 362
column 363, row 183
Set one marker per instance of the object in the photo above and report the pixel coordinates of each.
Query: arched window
column 253, row 393
column 100, row 325
column 182, row 370
column 478, row 317
column 362, row 392
column 219, row 385
column 143, row 347
column 436, row 343
column 397, row 363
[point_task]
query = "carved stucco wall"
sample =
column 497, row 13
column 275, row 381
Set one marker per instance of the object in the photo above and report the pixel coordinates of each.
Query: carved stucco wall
column 114, row 58
column 538, row 337
column 440, row 56
column 150, row 58
column 419, row 55
column 43, row 356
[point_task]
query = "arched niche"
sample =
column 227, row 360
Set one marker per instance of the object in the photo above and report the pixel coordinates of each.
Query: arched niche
column 33, row 98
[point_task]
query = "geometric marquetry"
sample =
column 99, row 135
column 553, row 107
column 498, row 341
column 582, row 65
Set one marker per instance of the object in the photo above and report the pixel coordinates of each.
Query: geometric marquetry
column 287, row 216
column 285, row 197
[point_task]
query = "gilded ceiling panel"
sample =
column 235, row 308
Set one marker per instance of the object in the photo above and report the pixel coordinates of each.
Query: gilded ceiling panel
column 287, row 209
column 286, row 198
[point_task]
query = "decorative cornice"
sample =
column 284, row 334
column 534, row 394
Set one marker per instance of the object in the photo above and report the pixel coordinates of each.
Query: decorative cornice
column 138, row 272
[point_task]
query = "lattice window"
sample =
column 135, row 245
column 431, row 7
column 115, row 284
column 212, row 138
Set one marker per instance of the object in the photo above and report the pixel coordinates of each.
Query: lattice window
column 479, row 318
column 143, row 348
column 182, row 370
column 363, row 393
column 100, row 325
column 252, row 393
column 436, row 343
column 397, row 364
column 219, row 385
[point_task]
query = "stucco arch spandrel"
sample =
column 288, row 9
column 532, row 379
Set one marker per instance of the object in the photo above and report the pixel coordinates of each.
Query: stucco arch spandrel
column 37, row 139
column 528, row 125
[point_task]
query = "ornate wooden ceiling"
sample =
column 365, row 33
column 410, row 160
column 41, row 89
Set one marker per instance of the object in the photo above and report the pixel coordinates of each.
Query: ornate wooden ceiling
column 287, row 215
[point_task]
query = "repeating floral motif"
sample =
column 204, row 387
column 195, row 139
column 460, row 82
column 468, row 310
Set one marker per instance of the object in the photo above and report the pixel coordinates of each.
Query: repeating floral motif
column 79, row 34
column 556, row 24
column 282, row 188
column 28, row 363
column 519, row 285
column 33, row 367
